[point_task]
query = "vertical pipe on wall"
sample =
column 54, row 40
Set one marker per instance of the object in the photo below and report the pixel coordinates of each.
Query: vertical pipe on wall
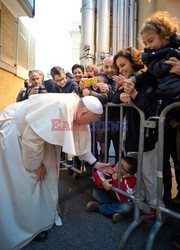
column 135, row 35
column 120, row 28
column 103, row 29
column 126, row 23
column 87, row 32
column 114, row 26
column 132, row 23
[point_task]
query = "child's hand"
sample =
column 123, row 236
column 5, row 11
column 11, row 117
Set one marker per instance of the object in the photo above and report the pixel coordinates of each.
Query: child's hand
column 115, row 176
column 86, row 92
column 125, row 98
column 106, row 184
column 103, row 87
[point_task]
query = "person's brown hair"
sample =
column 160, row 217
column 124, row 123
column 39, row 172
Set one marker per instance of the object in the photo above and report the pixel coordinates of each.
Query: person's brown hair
column 76, row 66
column 163, row 24
column 133, row 55
column 56, row 71
column 132, row 162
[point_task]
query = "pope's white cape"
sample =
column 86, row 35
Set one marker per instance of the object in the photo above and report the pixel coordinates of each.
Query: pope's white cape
column 28, row 207
column 41, row 112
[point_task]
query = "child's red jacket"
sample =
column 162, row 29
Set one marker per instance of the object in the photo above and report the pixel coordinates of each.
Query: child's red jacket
column 128, row 184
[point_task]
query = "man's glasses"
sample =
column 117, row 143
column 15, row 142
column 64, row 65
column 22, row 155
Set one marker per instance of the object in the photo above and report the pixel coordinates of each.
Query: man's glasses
column 125, row 170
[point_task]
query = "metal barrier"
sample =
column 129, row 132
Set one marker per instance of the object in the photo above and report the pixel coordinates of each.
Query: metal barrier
column 160, row 208
column 139, row 204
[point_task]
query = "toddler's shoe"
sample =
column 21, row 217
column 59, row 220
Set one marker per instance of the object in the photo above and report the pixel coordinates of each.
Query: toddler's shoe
column 119, row 217
column 93, row 206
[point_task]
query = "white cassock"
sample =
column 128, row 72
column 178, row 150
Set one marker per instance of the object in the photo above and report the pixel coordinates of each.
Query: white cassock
column 29, row 136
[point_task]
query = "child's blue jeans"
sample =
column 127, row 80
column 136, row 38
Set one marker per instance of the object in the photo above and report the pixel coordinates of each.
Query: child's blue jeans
column 109, row 204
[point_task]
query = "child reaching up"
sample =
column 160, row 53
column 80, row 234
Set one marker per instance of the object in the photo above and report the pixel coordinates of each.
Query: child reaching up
column 109, row 202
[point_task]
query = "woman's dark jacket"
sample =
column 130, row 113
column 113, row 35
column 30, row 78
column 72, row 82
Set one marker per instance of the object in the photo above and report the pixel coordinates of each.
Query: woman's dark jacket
column 145, row 100
column 168, row 83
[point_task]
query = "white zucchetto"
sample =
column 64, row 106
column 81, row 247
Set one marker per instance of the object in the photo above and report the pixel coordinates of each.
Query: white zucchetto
column 93, row 104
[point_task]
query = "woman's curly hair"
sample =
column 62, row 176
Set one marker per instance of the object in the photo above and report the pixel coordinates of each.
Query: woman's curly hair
column 133, row 55
column 162, row 23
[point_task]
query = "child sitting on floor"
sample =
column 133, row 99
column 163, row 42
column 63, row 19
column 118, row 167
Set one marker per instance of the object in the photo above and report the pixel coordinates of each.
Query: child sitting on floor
column 109, row 202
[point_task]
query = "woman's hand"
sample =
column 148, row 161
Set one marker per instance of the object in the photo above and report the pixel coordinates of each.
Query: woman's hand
column 175, row 63
column 40, row 172
column 129, row 88
column 119, row 80
column 125, row 98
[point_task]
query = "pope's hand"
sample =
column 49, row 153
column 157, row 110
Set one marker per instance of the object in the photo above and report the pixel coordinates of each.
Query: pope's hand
column 105, row 168
column 40, row 172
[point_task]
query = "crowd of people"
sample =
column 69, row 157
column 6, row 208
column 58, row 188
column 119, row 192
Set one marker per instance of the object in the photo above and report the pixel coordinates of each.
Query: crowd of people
column 39, row 127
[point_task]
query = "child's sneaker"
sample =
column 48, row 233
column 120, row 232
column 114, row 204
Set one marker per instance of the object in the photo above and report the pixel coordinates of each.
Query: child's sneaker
column 93, row 206
column 119, row 217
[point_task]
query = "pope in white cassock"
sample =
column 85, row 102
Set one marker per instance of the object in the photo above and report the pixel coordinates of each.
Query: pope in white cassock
column 32, row 134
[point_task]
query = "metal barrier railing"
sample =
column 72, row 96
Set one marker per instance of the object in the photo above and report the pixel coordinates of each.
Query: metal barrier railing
column 143, row 125
column 139, row 204
column 160, row 208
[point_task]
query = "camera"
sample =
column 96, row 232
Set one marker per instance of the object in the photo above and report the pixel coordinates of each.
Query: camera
column 89, row 81
column 41, row 89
